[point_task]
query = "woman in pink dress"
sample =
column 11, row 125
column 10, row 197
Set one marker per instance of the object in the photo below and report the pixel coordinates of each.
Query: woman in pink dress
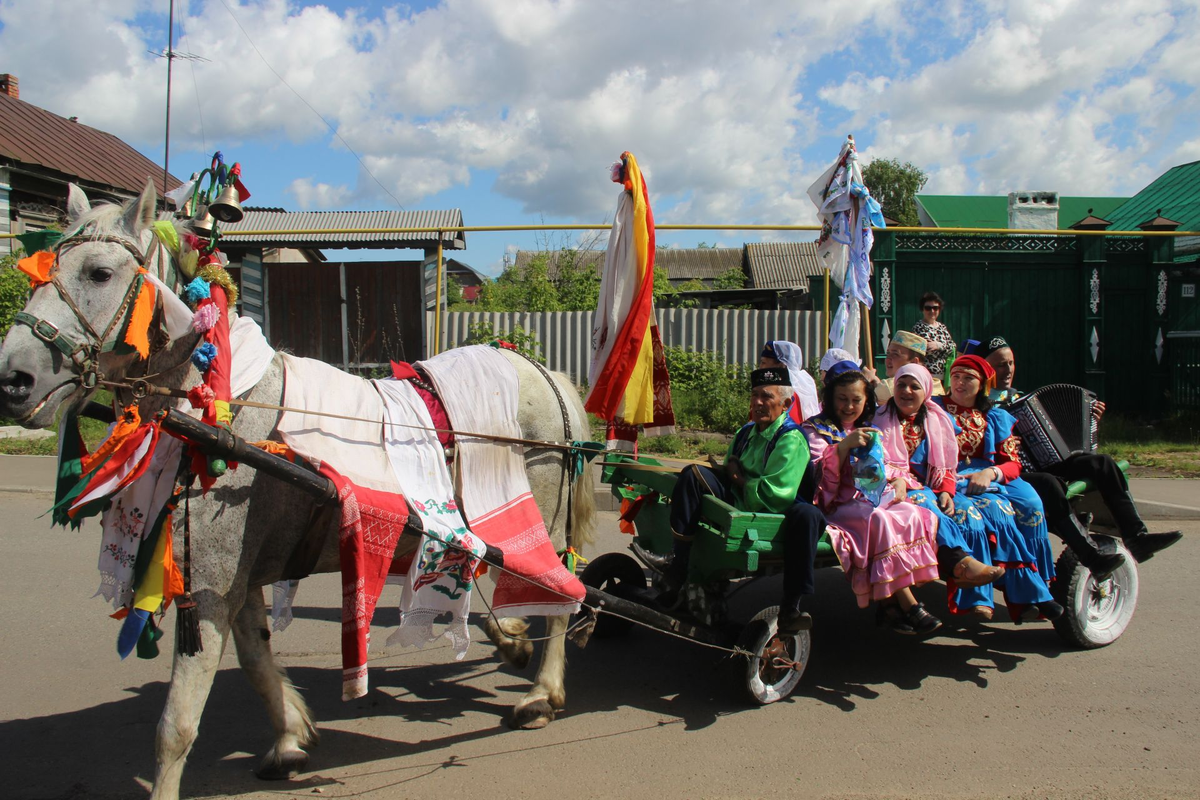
column 884, row 550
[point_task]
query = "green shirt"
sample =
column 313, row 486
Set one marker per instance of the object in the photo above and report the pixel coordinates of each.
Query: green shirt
column 771, row 487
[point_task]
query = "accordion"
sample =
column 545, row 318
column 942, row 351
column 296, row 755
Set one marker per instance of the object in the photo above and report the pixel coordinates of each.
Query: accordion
column 1054, row 423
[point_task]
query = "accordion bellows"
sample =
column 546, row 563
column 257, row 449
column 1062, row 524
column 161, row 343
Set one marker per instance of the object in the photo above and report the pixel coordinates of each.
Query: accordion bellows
column 1054, row 423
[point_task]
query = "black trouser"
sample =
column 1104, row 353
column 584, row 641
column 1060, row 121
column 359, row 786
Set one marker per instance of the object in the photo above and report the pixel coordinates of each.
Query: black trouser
column 802, row 526
column 1105, row 475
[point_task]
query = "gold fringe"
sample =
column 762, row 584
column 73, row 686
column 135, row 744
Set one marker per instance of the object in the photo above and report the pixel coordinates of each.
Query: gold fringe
column 215, row 273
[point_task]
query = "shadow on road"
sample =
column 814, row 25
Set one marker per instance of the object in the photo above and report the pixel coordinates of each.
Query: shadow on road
column 852, row 660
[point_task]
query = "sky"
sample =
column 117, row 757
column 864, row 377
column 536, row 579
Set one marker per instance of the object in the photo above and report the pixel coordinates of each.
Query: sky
column 513, row 110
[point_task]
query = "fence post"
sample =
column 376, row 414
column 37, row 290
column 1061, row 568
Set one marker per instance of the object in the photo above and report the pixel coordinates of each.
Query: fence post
column 883, row 256
column 1161, row 252
column 1093, row 269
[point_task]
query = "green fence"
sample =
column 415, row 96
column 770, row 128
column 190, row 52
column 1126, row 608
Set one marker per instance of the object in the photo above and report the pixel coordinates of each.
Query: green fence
column 1183, row 348
column 1087, row 310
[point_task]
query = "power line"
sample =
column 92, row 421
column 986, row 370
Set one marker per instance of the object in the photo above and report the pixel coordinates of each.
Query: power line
column 332, row 129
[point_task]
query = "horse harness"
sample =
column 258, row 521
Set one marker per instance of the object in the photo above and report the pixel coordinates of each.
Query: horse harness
column 86, row 355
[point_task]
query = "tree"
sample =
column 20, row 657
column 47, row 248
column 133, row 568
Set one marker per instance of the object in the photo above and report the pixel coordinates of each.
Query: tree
column 14, row 291
column 895, row 186
column 732, row 278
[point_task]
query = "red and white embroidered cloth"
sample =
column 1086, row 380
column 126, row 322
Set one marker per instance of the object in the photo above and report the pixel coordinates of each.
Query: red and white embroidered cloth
column 479, row 388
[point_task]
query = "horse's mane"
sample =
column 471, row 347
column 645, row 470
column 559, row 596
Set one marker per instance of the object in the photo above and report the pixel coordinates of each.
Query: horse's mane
column 108, row 219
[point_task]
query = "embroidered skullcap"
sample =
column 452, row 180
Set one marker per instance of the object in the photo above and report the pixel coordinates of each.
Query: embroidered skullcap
column 840, row 368
column 991, row 345
column 911, row 341
column 832, row 356
column 771, row 376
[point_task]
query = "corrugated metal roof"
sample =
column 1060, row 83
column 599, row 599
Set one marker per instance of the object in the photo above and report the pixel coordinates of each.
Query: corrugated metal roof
column 681, row 264
column 698, row 263
column 782, row 265
column 986, row 211
column 34, row 136
column 293, row 225
column 1176, row 192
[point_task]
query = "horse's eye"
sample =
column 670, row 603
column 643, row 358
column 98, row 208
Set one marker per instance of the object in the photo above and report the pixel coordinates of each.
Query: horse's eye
column 101, row 275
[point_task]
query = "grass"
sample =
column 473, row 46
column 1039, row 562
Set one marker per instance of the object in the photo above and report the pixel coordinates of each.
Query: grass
column 1169, row 447
column 93, row 432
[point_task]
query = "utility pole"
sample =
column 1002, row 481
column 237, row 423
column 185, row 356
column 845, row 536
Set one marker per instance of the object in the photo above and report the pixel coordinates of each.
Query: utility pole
column 170, row 61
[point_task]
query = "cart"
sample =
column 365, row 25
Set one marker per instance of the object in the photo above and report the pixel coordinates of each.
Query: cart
column 732, row 545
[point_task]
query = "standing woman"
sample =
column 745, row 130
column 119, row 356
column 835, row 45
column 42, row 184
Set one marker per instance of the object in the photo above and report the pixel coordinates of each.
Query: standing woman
column 920, row 440
column 939, row 342
column 884, row 550
column 788, row 355
column 1011, row 509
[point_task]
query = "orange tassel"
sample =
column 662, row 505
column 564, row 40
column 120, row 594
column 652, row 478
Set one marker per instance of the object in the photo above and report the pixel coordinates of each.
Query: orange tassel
column 127, row 424
column 173, row 579
column 39, row 267
column 137, row 333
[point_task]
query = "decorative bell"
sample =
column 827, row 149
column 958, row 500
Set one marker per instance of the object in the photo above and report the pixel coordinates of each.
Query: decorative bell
column 202, row 223
column 226, row 207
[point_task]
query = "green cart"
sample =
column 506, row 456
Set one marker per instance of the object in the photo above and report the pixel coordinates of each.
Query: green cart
column 733, row 545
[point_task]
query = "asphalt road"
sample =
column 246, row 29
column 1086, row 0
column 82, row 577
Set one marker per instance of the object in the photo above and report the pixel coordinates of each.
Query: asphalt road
column 982, row 710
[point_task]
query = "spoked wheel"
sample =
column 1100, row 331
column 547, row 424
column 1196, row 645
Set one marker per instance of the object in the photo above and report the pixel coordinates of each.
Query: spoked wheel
column 618, row 575
column 1096, row 613
column 778, row 662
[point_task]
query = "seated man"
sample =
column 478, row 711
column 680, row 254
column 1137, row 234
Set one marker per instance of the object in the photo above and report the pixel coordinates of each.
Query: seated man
column 1098, row 468
column 762, row 472
column 905, row 348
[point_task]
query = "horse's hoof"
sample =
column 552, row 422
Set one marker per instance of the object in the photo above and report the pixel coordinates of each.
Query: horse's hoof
column 283, row 766
column 531, row 716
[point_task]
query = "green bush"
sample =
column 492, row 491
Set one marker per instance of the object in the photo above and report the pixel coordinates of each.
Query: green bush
column 707, row 393
column 14, row 292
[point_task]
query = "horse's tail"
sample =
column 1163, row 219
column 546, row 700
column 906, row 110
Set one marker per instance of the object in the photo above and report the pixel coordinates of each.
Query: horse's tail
column 581, row 530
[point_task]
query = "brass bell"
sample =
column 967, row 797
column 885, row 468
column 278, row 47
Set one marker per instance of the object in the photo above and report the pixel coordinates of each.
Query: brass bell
column 202, row 223
column 226, row 207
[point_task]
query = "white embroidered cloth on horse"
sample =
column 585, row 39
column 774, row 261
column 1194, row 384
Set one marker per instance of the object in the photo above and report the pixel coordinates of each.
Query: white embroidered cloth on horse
column 404, row 463
column 480, row 391
column 124, row 522
column 439, row 578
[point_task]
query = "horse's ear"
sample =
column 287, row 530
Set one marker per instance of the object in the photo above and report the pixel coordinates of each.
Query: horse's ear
column 141, row 212
column 77, row 202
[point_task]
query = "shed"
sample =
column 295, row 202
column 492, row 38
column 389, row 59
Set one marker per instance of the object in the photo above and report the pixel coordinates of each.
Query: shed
column 353, row 314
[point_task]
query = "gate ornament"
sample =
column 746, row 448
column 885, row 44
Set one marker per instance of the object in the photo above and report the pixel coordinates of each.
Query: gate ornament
column 1161, row 303
column 1095, row 287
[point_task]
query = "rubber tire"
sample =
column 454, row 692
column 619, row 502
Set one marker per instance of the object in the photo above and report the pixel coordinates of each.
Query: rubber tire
column 754, row 638
column 1090, row 620
column 619, row 575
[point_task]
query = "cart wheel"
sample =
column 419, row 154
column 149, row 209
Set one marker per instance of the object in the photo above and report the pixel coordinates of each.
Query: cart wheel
column 762, row 678
column 1097, row 613
column 619, row 575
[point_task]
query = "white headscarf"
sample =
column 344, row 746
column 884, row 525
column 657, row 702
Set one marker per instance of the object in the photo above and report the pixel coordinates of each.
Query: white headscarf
column 792, row 357
column 833, row 355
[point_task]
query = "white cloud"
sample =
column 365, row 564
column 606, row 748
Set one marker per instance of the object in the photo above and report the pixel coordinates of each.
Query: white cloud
column 310, row 195
column 715, row 98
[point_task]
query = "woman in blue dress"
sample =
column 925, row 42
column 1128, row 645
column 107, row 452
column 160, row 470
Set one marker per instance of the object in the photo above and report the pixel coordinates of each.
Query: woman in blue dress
column 990, row 474
column 920, row 441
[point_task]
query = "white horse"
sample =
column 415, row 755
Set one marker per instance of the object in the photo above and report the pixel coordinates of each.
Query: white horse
column 247, row 526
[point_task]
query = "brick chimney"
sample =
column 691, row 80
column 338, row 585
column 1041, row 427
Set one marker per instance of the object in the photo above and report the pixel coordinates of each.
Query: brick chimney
column 10, row 86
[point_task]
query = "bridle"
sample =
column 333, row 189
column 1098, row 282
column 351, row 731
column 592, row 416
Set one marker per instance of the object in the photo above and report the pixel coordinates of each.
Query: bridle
column 85, row 356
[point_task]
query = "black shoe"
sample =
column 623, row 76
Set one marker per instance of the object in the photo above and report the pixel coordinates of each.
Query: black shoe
column 1050, row 609
column 1144, row 545
column 1102, row 565
column 889, row 615
column 921, row 621
column 660, row 564
column 793, row 620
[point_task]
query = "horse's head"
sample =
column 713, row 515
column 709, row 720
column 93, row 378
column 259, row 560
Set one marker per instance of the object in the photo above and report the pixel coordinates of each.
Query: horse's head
column 62, row 342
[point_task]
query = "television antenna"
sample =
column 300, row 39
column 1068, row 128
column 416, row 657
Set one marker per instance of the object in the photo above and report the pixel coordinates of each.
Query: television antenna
column 170, row 55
